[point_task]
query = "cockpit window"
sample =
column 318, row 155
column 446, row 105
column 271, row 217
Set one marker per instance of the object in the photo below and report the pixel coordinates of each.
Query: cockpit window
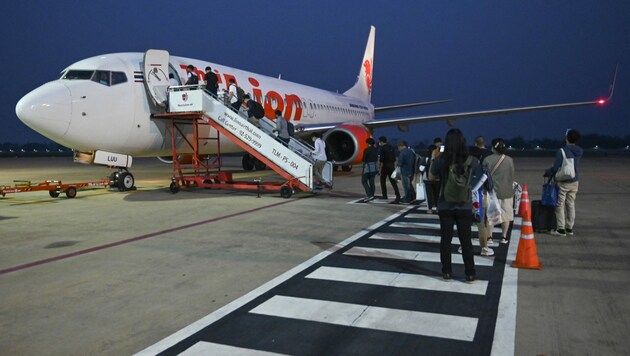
column 101, row 77
column 118, row 77
column 78, row 74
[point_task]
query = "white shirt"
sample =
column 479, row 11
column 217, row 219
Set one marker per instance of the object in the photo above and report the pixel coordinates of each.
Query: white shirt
column 235, row 94
column 173, row 82
column 320, row 150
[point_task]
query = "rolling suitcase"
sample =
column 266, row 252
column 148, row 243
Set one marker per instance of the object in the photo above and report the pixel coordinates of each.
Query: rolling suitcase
column 543, row 217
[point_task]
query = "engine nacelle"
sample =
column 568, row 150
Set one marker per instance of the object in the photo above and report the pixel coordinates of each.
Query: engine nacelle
column 345, row 143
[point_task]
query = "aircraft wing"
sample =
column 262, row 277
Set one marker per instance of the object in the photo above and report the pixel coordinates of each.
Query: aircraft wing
column 452, row 117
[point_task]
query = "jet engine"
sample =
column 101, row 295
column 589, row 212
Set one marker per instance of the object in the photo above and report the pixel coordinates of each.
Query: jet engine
column 345, row 144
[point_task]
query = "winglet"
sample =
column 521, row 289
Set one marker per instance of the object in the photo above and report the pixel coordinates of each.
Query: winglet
column 362, row 89
column 612, row 83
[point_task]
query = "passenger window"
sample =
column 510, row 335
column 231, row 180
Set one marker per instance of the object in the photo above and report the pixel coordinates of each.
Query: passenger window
column 102, row 77
column 118, row 77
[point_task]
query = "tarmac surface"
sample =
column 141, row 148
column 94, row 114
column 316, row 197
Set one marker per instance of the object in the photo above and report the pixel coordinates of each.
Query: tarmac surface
column 114, row 273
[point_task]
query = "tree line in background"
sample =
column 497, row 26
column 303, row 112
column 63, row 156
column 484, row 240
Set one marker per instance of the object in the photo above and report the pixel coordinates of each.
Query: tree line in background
column 588, row 141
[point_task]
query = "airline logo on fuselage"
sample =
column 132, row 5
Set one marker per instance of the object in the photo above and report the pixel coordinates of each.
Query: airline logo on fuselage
column 289, row 104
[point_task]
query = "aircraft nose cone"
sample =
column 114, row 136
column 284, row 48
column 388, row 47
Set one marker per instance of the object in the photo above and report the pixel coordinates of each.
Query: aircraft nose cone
column 46, row 110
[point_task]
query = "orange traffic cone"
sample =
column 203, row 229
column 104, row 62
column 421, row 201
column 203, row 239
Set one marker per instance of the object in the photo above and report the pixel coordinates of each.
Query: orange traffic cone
column 523, row 207
column 526, row 256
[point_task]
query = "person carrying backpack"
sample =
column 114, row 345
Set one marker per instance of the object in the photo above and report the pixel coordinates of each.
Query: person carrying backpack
column 458, row 172
column 567, row 187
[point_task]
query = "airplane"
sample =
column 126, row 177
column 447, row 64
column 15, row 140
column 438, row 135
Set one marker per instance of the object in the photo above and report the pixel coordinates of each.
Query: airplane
column 104, row 104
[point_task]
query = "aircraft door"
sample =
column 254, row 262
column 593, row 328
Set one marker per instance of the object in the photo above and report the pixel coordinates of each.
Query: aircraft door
column 155, row 71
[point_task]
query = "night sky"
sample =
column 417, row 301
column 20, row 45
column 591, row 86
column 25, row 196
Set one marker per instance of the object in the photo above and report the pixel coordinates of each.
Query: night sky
column 481, row 54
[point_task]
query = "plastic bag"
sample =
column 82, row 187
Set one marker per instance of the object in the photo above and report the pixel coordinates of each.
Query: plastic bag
column 396, row 174
column 493, row 211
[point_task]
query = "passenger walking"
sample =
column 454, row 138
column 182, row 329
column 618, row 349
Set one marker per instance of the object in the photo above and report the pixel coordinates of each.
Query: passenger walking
column 567, row 188
column 282, row 128
column 387, row 164
column 233, row 95
column 458, row 172
column 172, row 81
column 480, row 151
column 406, row 161
column 501, row 167
column 370, row 168
column 319, row 154
column 192, row 77
column 432, row 183
column 212, row 81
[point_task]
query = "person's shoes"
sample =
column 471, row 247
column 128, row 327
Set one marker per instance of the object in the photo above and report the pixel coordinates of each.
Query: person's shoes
column 434, row 210
column 504, row 240
column 470, row 279
column 446, row 276
column 490, row 241
column 459, row 250
column 487, row 251
column 396, row 201
column 404, row 201
column 569, row 232
column 369, row 198
column 559, row 232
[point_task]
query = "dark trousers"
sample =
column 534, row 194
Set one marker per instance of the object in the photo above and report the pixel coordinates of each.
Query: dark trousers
column 367, row 179
column 386, row 173
column 463, row 219
column 433, row 192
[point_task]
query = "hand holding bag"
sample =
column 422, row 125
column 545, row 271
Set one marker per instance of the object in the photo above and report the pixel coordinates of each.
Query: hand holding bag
column 494, row 209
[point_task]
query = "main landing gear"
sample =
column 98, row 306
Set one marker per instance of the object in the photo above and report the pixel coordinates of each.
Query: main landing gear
column 250, row 162
column 122, row 179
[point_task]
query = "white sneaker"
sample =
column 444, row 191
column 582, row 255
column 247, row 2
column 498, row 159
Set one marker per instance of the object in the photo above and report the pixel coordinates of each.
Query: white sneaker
column 490, row 242
column 558, row 233
column 459, row 250
column 487, row 251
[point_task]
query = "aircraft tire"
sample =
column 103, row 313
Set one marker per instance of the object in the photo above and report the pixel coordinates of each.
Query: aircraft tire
column 259, row 165
column 53, row 193
column 125, row 181
column 248, row 163
column 174, row 188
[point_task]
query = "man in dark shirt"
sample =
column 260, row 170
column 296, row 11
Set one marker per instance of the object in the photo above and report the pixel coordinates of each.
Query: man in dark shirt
column 479, row 150
column 212, row 81
column 192, row 77
column 387, row 164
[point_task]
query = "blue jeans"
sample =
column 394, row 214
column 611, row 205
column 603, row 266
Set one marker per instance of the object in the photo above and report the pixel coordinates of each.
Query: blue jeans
column 410, row 194
column 463, row 219
column 367, row 179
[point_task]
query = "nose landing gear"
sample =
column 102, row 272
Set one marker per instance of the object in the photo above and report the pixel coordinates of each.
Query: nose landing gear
column 123, row 180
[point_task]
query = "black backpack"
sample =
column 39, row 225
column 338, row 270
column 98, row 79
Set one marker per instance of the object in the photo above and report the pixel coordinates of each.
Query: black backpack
column 290, row 128
column 240, row 94
column 258, row 110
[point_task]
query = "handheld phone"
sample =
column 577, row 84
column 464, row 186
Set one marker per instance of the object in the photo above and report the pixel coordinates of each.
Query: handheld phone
column 441, row 148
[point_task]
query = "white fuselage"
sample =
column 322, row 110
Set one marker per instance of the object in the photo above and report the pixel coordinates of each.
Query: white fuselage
column 79, row 112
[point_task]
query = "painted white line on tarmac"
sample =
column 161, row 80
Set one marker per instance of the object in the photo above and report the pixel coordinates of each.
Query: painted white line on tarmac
column 505, row 329
column 388, row 236
column 398, row 280
column 369, row 317
column 434, row 226
column 203, row 348
column 227, row 309
column 412, row 255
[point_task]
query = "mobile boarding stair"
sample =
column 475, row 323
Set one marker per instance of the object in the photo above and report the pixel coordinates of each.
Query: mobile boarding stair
column 192, row 106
